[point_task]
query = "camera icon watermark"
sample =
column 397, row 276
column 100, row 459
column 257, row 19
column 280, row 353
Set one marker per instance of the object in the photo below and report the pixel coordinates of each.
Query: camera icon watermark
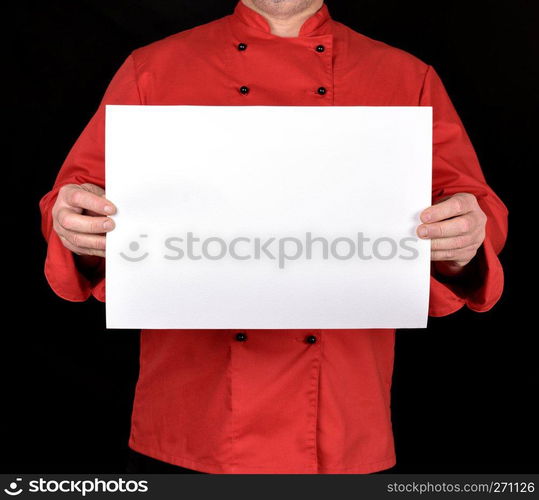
column 14, row 488
column 134, row 247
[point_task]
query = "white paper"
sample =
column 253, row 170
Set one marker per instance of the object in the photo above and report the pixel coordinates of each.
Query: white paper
column 257, row 172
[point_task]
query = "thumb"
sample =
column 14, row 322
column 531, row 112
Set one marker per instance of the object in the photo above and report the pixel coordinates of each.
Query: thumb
column 93, row 188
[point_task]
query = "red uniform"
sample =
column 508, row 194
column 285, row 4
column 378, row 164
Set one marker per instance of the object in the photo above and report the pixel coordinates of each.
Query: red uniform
column 275, row 402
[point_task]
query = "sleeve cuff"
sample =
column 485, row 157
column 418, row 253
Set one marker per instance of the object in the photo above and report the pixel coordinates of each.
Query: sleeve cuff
column 480, row 293
column 64, row 277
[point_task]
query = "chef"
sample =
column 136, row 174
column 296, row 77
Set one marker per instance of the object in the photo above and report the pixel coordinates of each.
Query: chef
column 283, row 401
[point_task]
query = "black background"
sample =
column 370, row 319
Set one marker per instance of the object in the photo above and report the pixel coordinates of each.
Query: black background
column 463, row 390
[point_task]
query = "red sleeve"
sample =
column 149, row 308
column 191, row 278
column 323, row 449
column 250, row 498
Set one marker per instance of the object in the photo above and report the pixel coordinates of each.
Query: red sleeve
column 457, row 170
column 84, row 163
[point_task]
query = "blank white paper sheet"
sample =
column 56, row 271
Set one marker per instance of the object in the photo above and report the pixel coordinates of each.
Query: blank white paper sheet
column 262, row 217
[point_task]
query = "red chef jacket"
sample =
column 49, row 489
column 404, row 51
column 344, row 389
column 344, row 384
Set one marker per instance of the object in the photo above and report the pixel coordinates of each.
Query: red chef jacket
column 276, row 401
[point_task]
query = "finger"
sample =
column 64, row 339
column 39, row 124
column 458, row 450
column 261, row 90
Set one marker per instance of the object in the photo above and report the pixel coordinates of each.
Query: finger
column 80, row 198
column 88, row 241
column 91, row 213
column 80, row 250
column 459, row 255
column 93, row 188
column 462, row 241
column 458, row 204
column 447, row 228
column 73, row 221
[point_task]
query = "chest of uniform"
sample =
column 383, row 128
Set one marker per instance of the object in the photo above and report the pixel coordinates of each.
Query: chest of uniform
column 273, row 72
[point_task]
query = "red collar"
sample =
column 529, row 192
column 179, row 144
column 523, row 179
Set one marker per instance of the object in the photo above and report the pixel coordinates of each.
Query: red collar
column 312, row 26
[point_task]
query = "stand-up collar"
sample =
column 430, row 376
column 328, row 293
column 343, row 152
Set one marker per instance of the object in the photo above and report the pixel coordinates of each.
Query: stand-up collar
column 313, row 26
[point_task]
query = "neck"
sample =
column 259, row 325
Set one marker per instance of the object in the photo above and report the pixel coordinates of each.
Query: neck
column 285, row 18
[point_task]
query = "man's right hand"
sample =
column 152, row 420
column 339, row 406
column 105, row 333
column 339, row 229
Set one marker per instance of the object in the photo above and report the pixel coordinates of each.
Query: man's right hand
column 80, row 218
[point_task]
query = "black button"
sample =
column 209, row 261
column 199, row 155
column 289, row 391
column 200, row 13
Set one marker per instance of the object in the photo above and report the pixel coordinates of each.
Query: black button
column 242, row 46
column 320, row 48
column 244, row 90
column 321, row 90
column 241, row 337
column 311, row 339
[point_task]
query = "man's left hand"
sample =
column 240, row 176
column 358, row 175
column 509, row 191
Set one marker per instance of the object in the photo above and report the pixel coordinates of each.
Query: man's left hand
column 456, row 228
